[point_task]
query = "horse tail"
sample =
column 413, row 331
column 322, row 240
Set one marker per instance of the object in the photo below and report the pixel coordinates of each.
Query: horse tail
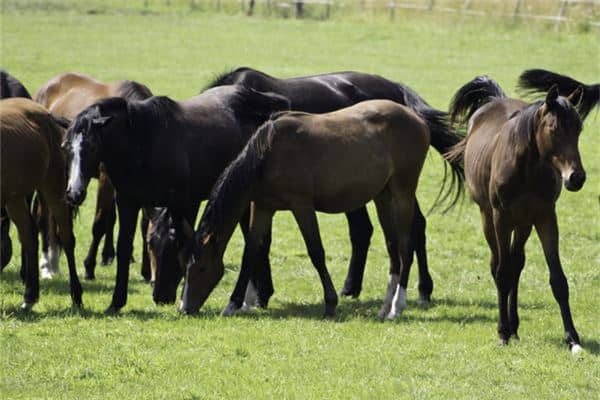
column 230, row 77
column 538, row 81
column 232, row 192
column 471, row 96
column 252, row 107
column 443, row 138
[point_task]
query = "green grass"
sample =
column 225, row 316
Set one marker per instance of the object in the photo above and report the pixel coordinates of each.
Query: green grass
column 447, row 350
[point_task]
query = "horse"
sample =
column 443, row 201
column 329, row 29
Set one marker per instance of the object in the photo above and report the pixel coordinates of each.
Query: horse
column 333, row 91
column 9, row 87
column 66, row 95
column 516, row 157
column 161, row 153
column 305, row 163
column 31, row 159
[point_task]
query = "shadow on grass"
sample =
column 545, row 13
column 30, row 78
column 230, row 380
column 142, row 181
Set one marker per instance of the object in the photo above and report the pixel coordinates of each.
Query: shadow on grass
column 60, row 284
column 15, row 312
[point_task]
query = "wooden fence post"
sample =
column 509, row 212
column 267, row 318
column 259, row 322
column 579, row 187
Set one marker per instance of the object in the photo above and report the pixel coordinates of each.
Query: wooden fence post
column 561, row 13
column 392, row 6
column 431, row 4
column 517, row 9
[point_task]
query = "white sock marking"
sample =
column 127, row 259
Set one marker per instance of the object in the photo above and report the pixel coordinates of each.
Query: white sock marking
column 75, row 178
column 393, row 280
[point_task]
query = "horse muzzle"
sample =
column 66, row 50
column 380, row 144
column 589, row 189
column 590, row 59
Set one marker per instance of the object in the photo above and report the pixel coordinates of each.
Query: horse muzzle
column 575, row 181
column 75, row 197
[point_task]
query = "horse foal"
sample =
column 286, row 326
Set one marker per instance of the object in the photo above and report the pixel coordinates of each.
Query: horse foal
column 334, row 163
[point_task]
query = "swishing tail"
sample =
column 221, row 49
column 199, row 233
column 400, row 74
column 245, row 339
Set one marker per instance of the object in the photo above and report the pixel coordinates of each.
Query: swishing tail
column 467, row 100
column 539, row 81
column 443, row 138
column 253, row 107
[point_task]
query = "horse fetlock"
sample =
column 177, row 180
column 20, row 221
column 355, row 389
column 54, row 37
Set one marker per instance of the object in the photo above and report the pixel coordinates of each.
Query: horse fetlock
column 251, row 296
column 231, row 309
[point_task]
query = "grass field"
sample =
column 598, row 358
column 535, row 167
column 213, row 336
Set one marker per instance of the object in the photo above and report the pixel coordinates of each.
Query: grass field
column 445, row 351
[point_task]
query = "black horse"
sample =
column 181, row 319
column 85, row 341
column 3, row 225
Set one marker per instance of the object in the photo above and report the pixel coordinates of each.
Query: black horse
column 334, row 91
column 161, row 153
column 9, row 87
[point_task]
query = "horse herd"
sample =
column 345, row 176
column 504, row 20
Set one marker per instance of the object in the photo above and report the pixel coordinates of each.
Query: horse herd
column 349, row 138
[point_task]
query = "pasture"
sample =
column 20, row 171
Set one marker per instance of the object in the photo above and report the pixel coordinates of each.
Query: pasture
column 287, row 351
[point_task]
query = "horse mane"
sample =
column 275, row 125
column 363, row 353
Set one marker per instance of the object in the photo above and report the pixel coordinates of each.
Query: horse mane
column 233, row 186
column 255, row 107
column 536, row 82
column 153, row 113
column 231, row 77
column 132, row 90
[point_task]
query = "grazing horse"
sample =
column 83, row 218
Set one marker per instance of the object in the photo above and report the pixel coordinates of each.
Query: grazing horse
column 306, row 163
column 334, row 91
column 516, row 158
column 66, row 95
column 161, row 153
column 9, row 87
column 31, row 159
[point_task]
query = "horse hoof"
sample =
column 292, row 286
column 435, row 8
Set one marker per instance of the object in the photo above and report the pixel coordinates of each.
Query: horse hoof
column 424, row 301
column 112, row 310
column 89, row 276
column 45, row 273
column 576, row 349
column 107, row 261
column 247, row 308
column 230, row 310
column 27, row 306
column 502, row 342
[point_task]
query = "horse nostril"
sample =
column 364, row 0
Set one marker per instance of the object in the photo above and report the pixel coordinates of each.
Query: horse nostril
column 576, row 180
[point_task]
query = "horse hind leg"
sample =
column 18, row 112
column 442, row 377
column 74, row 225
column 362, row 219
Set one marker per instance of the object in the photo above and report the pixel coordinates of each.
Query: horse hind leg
column 418, row 246
column 306, row 218
column 518, row 260
column 361, row 231
column 386, row 212
column 49, row 261
column 19, row 213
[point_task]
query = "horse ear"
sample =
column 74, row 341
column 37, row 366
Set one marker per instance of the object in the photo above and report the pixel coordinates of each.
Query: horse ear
column 576, row 96
column 101, row 121
column 206, row 239
column 552, row 95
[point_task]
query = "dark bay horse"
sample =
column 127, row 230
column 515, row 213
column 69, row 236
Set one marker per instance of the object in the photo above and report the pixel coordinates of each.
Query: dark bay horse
column 306, row 163
column 161, row 153
column 31, row 159
column 334, row 91
column 9, row 87
column 66, row 95
column 516, row 157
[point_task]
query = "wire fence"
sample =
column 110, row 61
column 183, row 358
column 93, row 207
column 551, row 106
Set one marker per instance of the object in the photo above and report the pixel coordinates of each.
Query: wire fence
column 556, row 12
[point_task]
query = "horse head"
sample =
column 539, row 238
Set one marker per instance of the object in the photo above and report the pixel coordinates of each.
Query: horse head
column 557, row 135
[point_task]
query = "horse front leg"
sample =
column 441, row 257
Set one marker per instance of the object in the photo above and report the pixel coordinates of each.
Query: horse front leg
column 418, row 242
column 260, row 224
column 504, row 274
column 128, row 214
column 547, row 230
column 309, row 226
column 518, row 261
column 361, row 231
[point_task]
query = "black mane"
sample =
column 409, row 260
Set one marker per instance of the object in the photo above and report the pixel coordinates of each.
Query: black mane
column 230, row 77
column 154, row 112
column 253, row 107
column 11, row 87
column 132, row 90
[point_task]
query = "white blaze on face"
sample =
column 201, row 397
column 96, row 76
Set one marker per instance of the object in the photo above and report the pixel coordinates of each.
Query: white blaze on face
column 75, row 176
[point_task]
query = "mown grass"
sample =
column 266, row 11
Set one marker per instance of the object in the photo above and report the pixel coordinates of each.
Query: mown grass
column 287, row 351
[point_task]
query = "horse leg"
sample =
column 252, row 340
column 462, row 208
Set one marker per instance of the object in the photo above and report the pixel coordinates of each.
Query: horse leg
column 386, row 212
column 97, row 233
column 50, row 247
column 5, row 242
column 504, row 273
column 418, row 242
column 361, row 231
column 260, row 223
column 547, row 230
column 62, row 215
column 108, row 206
column 128, row 213
column 306, row 218
column 260, row 287
column 20, row 214
column 487, row 223
column 518, row 260
column 145, row 270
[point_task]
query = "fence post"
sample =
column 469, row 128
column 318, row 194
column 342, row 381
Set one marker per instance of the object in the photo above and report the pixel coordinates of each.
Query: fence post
column 431, row 4
column 466, row 5
column 561, row 13
column 517, row 9
column 392, row 6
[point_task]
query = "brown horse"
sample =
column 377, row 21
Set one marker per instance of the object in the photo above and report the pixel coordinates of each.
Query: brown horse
column 516, row 157
column 31, row 159
column 308, row 162
column 66, row 95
